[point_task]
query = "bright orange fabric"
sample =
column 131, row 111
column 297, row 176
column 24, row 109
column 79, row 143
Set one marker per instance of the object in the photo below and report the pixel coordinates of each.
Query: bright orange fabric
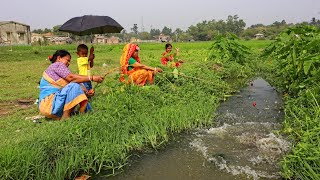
column 165, row 57
column 137, row 76
column 140, row 76
column 127, row 52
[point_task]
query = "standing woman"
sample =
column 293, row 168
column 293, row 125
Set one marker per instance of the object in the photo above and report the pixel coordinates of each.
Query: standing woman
column 137, row 73
column 60, row 91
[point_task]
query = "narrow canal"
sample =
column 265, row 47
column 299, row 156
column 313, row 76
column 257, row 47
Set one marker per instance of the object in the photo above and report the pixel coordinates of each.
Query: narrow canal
column 244, row 143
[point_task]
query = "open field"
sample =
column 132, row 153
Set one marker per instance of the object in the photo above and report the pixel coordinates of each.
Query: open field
column 125, row 118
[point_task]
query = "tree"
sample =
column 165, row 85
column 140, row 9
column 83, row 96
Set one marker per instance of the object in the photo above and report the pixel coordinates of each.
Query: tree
column 315, row 22
column 56, row 28
column 38, row 31
column 235, row 25
column 199, row 32
column 177, row 34
column 134, row 29
column 154, row 32
column 278, row 24
column 46, row 30
column 256, row 25
column 123, row 35
column 185, row 37
column 166, row 31
column 56, row 31
column 144, row 36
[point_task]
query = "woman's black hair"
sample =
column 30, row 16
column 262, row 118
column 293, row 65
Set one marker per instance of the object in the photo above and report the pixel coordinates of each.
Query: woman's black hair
column 168, row 45
column 62, row 53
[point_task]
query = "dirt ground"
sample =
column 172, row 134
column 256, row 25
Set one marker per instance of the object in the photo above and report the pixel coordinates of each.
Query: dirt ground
column 7, row 108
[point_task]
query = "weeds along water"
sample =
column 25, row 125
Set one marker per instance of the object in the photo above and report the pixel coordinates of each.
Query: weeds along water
column 245, row 143
column 125, row 118
column 293, row 67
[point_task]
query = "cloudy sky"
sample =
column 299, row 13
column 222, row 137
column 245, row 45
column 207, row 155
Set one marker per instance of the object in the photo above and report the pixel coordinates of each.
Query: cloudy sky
column 157, row 14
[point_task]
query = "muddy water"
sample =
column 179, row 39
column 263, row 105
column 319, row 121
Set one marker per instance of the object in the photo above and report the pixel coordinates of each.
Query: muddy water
column 243, row 145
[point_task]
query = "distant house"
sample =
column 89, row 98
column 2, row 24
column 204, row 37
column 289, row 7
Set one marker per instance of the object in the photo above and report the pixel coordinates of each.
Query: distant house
column 112, row 40
column 101, row 39
column 36, row 37
column 14, row 33
column 163, row 38
column 48, row 35
column 134, row 40
column 60, row 40
column 259, row 36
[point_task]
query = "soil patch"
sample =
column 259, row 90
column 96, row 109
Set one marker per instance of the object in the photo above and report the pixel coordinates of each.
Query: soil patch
column 7, row 108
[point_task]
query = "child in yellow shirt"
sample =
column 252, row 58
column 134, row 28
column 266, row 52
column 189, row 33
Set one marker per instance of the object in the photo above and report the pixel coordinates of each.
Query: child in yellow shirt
column 85, row 63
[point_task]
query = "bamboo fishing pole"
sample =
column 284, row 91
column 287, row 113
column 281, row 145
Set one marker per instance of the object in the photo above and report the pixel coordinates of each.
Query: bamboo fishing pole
column 180, row 74
column 109, row 72
column 105, row 74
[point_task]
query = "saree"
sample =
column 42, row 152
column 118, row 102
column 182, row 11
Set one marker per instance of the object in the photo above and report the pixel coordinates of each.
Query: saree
column 138, row 76
column 59, row 95
column 165, row 59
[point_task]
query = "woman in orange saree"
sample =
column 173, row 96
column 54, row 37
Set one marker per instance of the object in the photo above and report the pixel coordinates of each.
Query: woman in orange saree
column 137, row 73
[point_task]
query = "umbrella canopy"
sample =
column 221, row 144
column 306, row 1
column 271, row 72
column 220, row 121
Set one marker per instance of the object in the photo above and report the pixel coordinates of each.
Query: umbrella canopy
column 88, row 24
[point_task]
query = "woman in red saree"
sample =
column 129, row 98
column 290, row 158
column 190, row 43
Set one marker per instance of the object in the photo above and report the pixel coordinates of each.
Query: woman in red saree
column 131, row 67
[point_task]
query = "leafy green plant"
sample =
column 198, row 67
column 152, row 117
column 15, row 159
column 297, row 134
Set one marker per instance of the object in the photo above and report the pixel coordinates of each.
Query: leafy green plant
column 297, row 57
column 228, row 48
column 293, row 63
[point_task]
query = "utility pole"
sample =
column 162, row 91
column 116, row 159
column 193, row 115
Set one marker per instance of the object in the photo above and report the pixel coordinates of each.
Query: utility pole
column 142, row 27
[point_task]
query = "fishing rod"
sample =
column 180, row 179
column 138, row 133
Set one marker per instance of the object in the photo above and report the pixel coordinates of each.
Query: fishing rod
column 183, row 75
column 105, row 74
column 164, row 72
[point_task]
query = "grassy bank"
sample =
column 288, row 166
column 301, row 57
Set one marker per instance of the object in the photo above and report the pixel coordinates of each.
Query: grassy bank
column 293, row 66
column 125, row 118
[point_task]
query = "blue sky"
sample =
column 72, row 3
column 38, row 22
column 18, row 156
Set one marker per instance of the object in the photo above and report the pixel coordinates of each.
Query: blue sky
column 157, row 14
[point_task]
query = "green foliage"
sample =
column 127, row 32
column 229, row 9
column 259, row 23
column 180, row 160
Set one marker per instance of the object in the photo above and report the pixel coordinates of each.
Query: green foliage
column 302, row 126
column 293, row 62
column 125, row 118
column 134, row 29
column 167, row 31
column 297, row 56
column 228, row 48
column 154, row 32
column 207, row 30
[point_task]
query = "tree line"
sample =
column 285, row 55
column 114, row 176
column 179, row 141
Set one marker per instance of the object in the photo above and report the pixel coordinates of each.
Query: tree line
column 202, row 31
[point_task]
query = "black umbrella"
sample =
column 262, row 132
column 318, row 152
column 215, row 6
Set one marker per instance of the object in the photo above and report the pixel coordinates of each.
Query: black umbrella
column 88, row 24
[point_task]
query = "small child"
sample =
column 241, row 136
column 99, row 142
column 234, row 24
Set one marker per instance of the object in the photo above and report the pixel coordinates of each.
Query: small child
column 85, row 63
column 168, row 55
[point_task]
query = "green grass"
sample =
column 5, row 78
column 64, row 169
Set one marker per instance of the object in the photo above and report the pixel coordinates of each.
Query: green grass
column 301, row 94
column 125, row 118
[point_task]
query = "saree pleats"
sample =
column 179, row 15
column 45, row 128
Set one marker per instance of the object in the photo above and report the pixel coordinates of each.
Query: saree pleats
column 56, row 97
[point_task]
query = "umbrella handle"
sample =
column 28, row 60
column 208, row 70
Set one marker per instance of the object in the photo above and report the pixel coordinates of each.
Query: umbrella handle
column 91, row 38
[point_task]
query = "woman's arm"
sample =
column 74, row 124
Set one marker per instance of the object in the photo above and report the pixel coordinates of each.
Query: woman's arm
column 142, row 66
column 80, row 78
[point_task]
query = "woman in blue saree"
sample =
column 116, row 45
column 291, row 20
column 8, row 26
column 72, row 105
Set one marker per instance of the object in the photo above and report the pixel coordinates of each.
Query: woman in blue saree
column 61, row 91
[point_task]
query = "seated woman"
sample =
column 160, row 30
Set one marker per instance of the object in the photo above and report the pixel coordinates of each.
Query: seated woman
column 169, row 56
column 137, row 73
column 60, row 91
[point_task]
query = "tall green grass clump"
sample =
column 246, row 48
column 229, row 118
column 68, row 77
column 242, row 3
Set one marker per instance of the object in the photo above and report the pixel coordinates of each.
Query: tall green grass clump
column 293, row 65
